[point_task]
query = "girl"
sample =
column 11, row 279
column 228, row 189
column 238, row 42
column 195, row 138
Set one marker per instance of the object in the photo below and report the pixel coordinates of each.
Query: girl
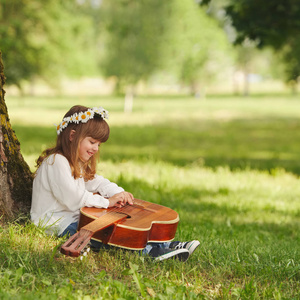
column 66, row 180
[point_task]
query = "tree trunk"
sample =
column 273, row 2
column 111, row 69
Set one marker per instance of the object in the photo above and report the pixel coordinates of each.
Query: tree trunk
column 15, row 175
column 128, row 101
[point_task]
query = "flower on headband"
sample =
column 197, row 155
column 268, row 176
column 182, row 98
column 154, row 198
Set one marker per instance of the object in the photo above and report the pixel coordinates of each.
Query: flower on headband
column 64, row 124
column 90, row 113
column 58, row 129
column 74, row 118
column 83, row 117
column 101, row 111
column 61, row 126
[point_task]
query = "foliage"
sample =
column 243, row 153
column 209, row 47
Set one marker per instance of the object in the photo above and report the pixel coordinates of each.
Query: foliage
column 290, row 54
column 174, row 36
column 136, row 31
column 36, row 37
column 127, row 41
column 199, row 47
column 271, row 23
column 274, row 23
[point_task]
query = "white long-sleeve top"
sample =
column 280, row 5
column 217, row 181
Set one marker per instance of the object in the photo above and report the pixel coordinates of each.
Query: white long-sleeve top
column 57, row 197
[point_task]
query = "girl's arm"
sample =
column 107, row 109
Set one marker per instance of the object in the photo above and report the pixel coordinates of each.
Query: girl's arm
column 68, row 191
column 117, row 196
column 103, row 186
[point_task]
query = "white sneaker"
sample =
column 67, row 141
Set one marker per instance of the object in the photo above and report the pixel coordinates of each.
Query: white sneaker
column 190, row 246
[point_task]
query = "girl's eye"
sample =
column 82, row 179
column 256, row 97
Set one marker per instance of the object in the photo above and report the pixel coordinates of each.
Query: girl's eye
column 93, row 143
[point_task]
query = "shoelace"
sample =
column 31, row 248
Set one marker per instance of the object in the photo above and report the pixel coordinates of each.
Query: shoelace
column 180, row 245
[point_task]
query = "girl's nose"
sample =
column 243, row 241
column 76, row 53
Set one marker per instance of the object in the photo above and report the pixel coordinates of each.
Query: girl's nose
column 95, row 148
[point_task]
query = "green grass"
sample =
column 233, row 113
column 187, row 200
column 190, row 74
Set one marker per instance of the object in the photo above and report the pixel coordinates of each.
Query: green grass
column 228, row 166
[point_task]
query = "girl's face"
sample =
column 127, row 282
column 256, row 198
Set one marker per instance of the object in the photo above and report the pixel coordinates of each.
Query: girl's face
column 87, row 148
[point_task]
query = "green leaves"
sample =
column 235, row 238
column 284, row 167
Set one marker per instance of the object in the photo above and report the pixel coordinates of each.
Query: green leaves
column 36, row 37
column 136, row 31
column 270, row 23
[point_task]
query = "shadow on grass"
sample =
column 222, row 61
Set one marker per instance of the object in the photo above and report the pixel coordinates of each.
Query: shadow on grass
column 249, row 240
column 263, row 144
column 228, row 219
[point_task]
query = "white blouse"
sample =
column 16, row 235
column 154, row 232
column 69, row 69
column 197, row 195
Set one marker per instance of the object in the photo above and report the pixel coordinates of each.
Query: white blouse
column 57, row 197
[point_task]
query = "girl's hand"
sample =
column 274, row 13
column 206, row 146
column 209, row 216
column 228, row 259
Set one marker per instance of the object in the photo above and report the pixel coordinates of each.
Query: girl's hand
column 120, row 199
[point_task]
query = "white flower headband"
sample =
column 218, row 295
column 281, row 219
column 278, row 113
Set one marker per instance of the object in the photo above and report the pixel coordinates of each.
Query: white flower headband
column 82, row 117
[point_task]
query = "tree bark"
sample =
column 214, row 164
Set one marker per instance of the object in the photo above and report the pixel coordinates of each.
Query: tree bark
column 15, row 175
column 128, row 101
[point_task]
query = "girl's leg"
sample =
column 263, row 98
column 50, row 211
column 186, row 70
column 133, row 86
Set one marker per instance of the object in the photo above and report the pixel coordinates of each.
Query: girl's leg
column 150, row 246
column 70, row 230
column 96, row 246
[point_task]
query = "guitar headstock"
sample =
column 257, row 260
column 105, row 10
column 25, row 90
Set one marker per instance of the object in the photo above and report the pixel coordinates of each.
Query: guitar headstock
column 76, row 243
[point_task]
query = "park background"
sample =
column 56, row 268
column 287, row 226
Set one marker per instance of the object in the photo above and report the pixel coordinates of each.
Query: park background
column 204, row 117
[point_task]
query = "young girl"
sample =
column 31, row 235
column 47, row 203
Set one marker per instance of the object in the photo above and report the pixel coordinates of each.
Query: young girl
column 66, row 180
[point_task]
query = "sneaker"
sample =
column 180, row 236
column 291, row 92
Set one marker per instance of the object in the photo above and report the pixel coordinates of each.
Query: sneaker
column 190, row 246
column 161, row 254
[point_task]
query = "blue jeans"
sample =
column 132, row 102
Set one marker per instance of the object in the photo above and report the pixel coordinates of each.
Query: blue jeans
column 72, row 229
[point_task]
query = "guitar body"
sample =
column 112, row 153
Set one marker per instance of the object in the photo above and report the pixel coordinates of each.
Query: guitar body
column 142, row 222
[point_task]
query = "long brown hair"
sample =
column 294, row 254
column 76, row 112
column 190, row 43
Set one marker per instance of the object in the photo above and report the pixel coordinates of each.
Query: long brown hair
column 96, row 128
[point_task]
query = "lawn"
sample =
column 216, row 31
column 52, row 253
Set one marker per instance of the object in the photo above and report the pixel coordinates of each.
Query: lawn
column 228, row 165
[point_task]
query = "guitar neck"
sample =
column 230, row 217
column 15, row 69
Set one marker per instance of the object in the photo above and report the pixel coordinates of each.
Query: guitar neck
column 103, row 222
column 75, row 244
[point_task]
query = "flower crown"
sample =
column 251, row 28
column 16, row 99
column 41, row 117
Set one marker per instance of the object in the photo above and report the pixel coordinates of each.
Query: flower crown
column 83, row 117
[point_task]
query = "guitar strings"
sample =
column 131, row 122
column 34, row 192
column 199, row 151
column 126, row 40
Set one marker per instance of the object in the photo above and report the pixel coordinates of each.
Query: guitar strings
column 111, row 214
column 122, row 209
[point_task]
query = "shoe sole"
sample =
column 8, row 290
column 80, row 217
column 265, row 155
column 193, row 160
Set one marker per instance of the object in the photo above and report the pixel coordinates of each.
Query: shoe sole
column 193, row 246
column 182, row 256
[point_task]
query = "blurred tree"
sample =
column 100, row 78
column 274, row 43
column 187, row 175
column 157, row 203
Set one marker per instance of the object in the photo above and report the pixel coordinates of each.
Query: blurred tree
column 270, row 23
column 200, row 50
column 253, row 65
column 43, row 38
column 273, row 23
column 134, row 42
column 290, row 54
column 245, row 54
column 144, row 37
column 15, row 175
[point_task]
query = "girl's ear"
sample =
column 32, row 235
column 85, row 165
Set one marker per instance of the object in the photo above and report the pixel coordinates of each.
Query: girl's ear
column 72, row 133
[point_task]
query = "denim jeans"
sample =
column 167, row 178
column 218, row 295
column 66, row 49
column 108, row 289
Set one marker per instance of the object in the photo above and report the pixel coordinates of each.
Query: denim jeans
column 70, row 230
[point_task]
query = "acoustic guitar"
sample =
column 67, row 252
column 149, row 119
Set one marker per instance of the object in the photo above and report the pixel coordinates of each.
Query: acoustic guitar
column 129, row 227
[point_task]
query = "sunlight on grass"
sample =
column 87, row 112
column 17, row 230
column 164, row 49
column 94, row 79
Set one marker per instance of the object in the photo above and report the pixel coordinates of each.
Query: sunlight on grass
column 228, row 166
